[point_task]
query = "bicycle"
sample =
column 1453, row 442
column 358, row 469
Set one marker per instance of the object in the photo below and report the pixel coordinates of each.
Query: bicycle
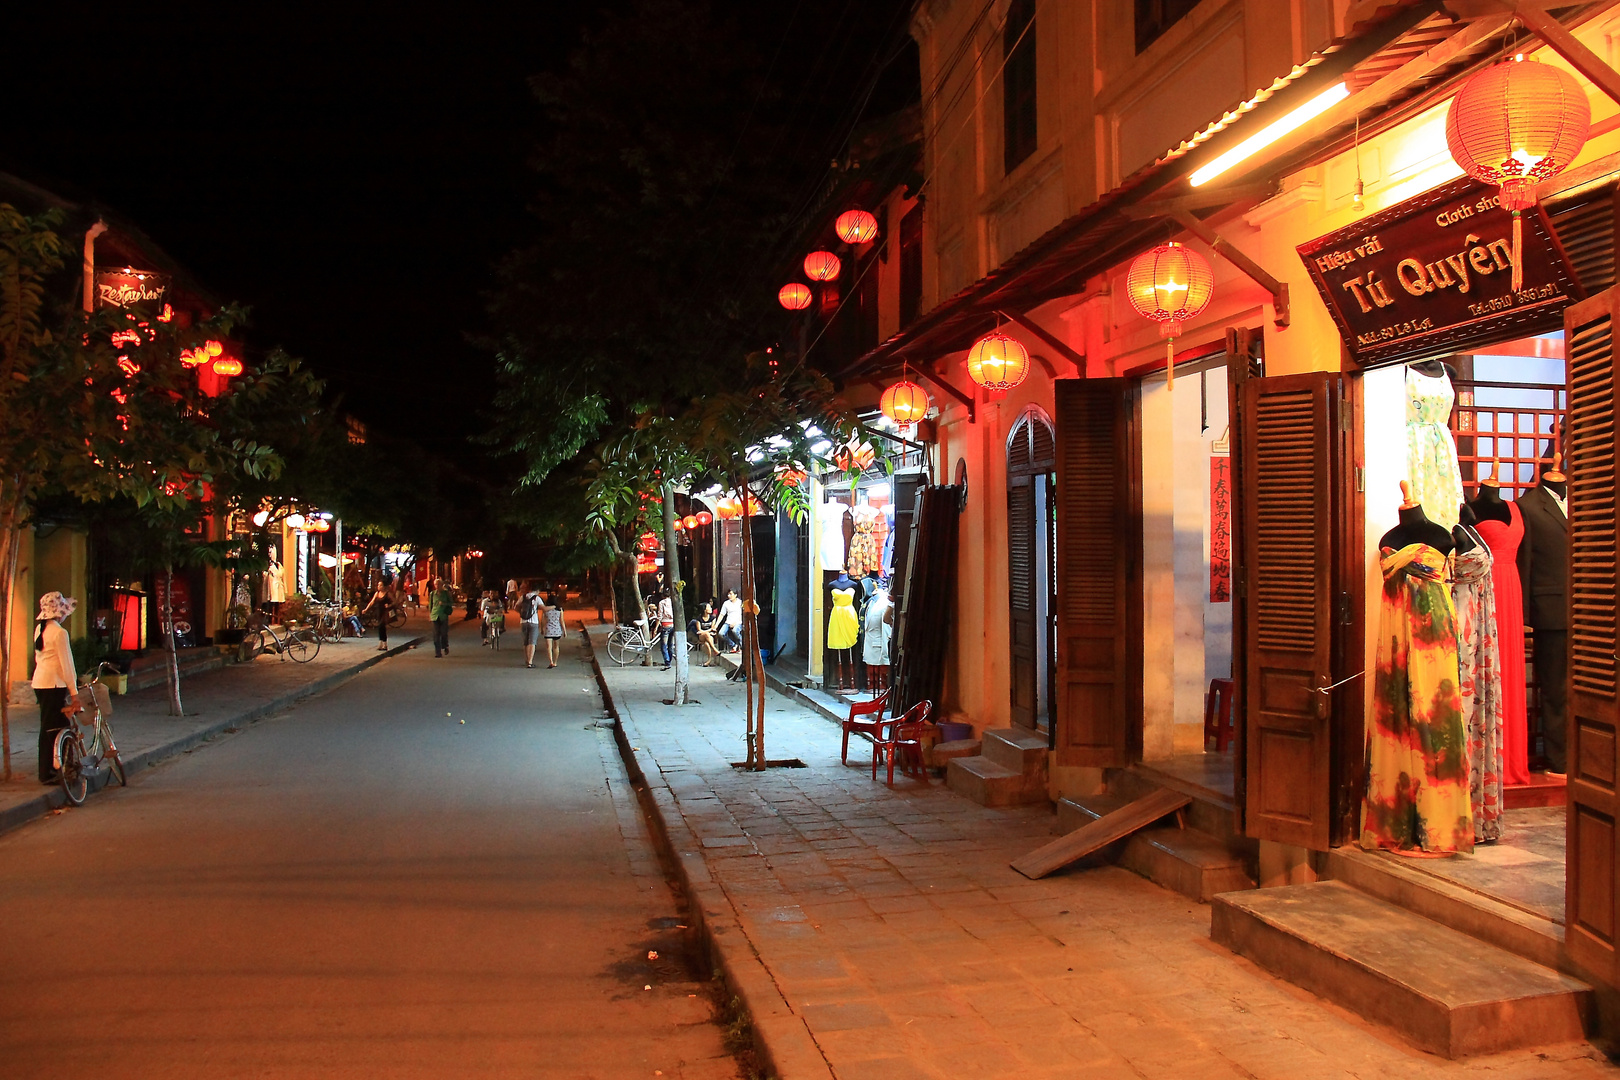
column 627, row 644
column 326, row 619
column 301, row 645
column 73, row 758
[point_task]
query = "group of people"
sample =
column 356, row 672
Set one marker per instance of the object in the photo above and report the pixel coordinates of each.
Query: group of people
column 540, row 616
column 717, row 628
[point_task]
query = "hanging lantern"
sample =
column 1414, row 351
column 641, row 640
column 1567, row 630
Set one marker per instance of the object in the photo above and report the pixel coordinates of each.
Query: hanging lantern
column 690, row 521
column 649, row 541
column 794, row 296
column 319, row 525
column 822, row 266
column 905, row 403
column 1515, row 125
column 728, row 507
column 295, row 521
column 680, row 524
column 705, row 518
column 856, row 227
column 998, row 362
column 853, row 458
column 1170, row 284
column 260, row 518
column 227, row 366
column 213, row 348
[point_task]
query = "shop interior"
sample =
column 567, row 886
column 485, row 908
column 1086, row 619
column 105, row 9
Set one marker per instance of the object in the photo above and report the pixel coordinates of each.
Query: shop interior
column 855, row 541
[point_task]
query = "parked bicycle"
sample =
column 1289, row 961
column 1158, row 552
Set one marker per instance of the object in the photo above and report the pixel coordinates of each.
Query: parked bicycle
column 301, row 645
column 326, row 619
column 75, row 757
column 629, row 644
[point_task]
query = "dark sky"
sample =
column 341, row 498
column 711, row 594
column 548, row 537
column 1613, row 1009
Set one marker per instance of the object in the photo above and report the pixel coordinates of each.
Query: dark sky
column 349, row 171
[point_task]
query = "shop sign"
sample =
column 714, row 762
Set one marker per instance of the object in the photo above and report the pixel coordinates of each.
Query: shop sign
column 1436, row 270
column 128, row 288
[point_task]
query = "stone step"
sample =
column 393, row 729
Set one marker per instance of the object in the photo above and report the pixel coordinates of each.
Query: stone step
column 940, row 754
column 1018, row 749
column 1210, row 812
column 1192, row 863
column 1444, row 991
column 988, row 784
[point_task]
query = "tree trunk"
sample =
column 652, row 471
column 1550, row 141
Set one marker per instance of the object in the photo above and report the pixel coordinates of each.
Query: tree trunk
column 677, row 607
column 753, row 667
column 173, row 656
column 623, row 560
column 8, row 570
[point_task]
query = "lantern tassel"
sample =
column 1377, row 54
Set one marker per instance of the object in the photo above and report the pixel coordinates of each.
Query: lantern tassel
column 1518, row 247
column 1169, row 363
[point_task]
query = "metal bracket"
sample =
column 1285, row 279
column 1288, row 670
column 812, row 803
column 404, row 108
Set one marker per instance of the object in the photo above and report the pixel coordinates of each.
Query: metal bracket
column 1051, row 340
column 965, row 399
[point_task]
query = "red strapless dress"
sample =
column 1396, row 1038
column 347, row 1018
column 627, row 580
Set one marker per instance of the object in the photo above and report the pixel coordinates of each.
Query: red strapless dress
column 1503, row 540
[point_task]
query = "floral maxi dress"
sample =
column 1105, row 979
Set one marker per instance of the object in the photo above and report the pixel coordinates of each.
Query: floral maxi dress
column 1431, row 454
column 1417, row 752
column 1480, row 678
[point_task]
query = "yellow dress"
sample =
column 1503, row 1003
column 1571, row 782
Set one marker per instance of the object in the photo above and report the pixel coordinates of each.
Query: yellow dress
column 843, row 628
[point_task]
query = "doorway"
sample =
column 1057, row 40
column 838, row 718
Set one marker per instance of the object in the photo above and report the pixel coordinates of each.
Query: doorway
column 1031, row 569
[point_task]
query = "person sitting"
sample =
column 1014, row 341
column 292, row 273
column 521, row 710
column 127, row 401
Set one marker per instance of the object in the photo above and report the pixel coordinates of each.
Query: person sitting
column 705, row 628
column 731, row 620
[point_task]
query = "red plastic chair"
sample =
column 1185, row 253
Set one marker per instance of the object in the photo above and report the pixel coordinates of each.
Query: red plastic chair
column 872, row 728
column 1218, row 714
column 904, row 742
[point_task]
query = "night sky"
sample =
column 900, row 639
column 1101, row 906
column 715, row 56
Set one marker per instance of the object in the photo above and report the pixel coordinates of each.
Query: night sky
column 349, row 173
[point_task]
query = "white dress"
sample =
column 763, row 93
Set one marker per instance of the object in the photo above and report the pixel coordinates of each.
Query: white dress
column 832, row 535
column 876, row 650
column 275, row 583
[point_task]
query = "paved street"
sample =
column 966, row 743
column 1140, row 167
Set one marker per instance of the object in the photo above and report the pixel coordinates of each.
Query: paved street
column 436, row 870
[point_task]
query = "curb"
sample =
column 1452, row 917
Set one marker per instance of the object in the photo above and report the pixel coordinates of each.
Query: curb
column 53, row 798
column 781, row 1037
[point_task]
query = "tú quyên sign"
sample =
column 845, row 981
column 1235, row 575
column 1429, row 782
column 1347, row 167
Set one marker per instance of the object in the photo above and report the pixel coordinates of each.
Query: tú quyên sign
column 129, row 288
column 1437, row 270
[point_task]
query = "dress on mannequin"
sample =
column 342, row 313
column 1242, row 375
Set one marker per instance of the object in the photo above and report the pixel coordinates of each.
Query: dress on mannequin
column 888, row 540
column 865, row 556
column 876, row 650
column 1544, row 575
column 275, row 582
column 833, row 516
column 1502, row 527
column 1480, row 680
column 1431, row 454
column 843, row 627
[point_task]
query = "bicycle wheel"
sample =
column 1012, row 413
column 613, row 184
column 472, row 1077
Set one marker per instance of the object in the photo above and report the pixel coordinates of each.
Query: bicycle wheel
column 303, row 646
column 109, row 754
column 622, row 648
column 69, row 751
column 396, row 618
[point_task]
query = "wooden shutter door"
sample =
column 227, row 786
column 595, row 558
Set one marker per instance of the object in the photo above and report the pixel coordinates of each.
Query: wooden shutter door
column 1021, row 576
column 1285, row 428
column 1594, row 738
column 1098, row 586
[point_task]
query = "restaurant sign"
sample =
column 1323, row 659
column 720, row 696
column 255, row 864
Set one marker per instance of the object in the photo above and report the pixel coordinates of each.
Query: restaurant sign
column 1436, row 270
column 128, row 288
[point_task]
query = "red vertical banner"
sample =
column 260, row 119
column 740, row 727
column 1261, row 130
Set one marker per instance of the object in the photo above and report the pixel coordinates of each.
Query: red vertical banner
column 1220, row 530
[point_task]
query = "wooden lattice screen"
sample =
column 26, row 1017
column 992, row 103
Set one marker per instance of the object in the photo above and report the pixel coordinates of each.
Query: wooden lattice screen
column 1518, row 437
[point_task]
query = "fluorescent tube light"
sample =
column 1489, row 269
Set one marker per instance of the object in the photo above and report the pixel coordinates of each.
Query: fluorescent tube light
column 1263, row 138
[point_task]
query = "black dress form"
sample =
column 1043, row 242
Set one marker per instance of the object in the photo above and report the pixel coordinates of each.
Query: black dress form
column 1460, row 534
column 1416, row 528
column 1544, row 575
column 1488, row 505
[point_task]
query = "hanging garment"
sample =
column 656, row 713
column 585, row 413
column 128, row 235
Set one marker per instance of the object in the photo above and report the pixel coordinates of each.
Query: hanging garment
column 832, row 535
column 1480, row 681
column 1503, row 540
column 888, row 540
column 865, row 556
column 876, row 650
column 1431, row 455
column 1417, row 752
column 843, row 627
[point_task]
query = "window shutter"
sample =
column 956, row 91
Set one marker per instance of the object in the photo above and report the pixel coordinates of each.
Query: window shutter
column 1593, row 884
column 1099, row 589
column 1584, row 225
column 1286, row 508
column 923, row 629
column 1021, row 582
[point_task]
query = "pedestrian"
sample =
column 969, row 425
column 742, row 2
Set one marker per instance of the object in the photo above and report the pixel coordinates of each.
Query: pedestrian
column 494, row 619
column 528, row 609
column 510, row 596
column 55, row 680
column 552, row 627
column 381, row 606
column 731, row 620
column 441, row 601
column 666, row 627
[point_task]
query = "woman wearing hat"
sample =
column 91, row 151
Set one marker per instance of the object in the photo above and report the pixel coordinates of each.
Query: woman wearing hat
column 55, row 681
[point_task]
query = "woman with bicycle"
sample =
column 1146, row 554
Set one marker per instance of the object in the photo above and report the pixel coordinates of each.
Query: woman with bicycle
column 55, row 680
column 382, row 602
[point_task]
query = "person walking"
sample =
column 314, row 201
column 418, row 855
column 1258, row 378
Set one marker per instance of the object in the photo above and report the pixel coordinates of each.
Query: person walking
column 552, row 627
column 510, row 596
column 666, row 627
column 528, row 609
column 55, row 680
column 381, row 605
column 441, row 601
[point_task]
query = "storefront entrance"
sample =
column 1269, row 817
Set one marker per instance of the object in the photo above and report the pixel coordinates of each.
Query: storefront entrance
column 1031, row 461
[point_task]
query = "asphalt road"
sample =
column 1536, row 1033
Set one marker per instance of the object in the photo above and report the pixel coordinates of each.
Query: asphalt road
column 435, row 871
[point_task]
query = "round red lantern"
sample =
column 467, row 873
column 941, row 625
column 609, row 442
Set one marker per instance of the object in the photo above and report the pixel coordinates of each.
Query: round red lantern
column 905, row 403
column 727, row 507
column 213, row 348
column 1514, row 125
column 794, row 296
column 680, row 524
column 1170, row 284
column 690, row 521
column 856, row 227
column 649, row 541
column 319, row 525
column 998, row 362
column 822, row 266
column 705, row 518
column 226, row 365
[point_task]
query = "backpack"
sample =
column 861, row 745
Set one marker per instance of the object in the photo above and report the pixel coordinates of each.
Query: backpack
column 528, row 606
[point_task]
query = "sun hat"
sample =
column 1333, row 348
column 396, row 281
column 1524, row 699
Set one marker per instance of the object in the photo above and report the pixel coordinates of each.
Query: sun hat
column 53, row 605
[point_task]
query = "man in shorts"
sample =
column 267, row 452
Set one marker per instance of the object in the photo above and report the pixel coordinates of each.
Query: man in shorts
column 529, row 606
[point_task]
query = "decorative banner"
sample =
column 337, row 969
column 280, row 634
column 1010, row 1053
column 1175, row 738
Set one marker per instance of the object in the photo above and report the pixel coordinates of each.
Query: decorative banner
column 1437, row 269
column 130, row 288
column 1220, row 530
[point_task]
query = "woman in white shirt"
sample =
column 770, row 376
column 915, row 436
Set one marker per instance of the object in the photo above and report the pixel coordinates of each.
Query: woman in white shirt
column 55, row 681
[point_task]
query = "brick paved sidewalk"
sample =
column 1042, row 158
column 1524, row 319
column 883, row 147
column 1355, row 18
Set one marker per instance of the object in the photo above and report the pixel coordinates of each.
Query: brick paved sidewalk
column 214, row 700
column 894, row 930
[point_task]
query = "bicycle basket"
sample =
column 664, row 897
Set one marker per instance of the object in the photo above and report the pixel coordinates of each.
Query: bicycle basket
column 101, row 703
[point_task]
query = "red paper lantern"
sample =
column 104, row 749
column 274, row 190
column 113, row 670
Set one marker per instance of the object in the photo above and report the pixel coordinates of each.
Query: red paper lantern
column 319, row 525
column 794, row 296
column 226, row 365
column 690, row 521
column 822, row 266
column 998, row 362
column 1514, row 125
column 680, row 524
column 649, row 541
column 905, row 403
column 1170, row 284
column 728, row 507
column 213, row 348
column 856, row 227
column 705, row 518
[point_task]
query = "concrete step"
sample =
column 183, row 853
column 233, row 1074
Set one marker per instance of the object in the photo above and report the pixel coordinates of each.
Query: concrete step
column 1018, row 749
column 988, row 784
column 1192, row 863
column 940, row 754
column 1508, row 927
column 152, row 669
column 1442, row 990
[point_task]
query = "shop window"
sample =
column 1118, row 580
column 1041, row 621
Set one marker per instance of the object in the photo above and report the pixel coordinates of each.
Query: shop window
column 1510, row 406
column 1018, row 84
column 1154, row 17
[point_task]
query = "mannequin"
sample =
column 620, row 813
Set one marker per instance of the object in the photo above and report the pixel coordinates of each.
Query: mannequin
column 1487, row 504
column 1416, row 528
column 275, row 583
column 1462, row 535
column 1431, row 453
column 876, row 648
column 865, row 553
column 843, row 629
column 1544, row 576
column 1502, row 528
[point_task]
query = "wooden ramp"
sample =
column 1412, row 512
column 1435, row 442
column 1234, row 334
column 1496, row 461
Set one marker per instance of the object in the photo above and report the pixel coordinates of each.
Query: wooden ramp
column 1100, row 833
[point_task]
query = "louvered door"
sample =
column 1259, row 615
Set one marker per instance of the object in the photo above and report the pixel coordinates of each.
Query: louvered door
column 1029, row 459
column 1099, row 538
column 1286, row 431
column 1593, row 856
